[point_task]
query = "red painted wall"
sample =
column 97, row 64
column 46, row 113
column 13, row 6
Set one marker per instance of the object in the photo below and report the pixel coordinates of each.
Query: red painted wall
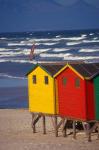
column 72, row 99
column 90, row 100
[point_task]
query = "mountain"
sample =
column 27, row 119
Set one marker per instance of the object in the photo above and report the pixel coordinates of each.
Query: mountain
column 29, row 15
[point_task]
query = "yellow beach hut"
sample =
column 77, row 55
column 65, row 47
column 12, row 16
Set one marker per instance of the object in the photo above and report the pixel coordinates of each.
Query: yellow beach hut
column 42, row 88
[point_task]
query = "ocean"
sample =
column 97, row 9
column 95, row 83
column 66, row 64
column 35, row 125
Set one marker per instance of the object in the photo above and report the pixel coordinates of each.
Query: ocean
column 81, row 45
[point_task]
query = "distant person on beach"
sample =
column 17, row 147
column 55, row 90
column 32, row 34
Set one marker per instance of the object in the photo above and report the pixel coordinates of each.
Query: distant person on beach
column 32, row 51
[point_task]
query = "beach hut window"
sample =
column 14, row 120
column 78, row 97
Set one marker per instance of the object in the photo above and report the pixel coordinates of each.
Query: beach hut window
column 64, row 80
column 46, row 79
column 34, row 79
column 77, row 82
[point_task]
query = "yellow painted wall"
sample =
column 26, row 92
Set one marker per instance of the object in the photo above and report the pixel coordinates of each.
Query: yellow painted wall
column 41, row 96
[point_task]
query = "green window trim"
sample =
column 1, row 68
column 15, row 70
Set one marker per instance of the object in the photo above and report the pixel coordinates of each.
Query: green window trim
column 77, row 82
column 64, row 81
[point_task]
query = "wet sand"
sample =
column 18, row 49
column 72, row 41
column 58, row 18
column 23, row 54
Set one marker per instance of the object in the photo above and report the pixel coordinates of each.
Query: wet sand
column 16, row 134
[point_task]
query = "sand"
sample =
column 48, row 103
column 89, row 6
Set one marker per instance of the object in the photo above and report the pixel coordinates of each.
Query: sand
column 16, row 134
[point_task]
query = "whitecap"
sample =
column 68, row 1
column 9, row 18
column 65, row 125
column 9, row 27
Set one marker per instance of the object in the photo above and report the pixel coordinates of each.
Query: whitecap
column 20, row 44
column 3, row 38
column 27, row 38
column 73, row 43
column 91, row 34
column 4, row 49
column 21, row 52
column 37, row 44
column 49, row 43
column 88, row 50
column 46, row 40
column 26, row 43
column 18, row 61
column 13, row 53
column 58, row 36
column 38, row 40
column 9, row 49
column 4, row 54
column 95, row 38
column 90, row 41
column 9, row 76
column 74, row 38
column 29, row 43
column 83, row 35
column 81, row 57
column 60, row 49
column 16, row 44
column 56, row 39
column 55, row 55
column 26, row 52
column 38, row 51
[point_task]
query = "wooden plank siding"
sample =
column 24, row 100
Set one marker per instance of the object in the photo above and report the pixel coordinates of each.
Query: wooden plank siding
column 72, row 97
column 70, row 90
column 41, row 95
column 72, row 100
column 90, row 101
column 96, row 92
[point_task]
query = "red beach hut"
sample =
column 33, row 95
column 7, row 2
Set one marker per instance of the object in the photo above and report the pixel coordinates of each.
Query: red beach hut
column 75, row 86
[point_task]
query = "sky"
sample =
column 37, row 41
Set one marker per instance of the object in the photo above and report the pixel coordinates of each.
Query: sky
column 41, row 15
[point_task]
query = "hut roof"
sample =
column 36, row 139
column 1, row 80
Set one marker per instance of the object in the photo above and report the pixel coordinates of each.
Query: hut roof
column 88, row 71
column 51, row 69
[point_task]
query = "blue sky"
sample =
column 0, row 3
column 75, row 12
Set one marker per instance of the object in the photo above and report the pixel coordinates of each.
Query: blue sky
column 33, row 15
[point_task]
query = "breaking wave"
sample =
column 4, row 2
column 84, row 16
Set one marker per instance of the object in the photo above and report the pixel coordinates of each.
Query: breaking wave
column 12, row 77
column 55, row 55
column 90, row 41
column 60, row 49
column 89, row 50
column 81, row 58
column 73, row 43
column 19, row 44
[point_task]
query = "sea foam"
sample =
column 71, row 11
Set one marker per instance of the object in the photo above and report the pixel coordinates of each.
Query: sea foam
column 89, row 50
column 60, row 49
column 55, row 55
column 81, row 58
column 10, row 76
column 90, row 41
column 73, row 43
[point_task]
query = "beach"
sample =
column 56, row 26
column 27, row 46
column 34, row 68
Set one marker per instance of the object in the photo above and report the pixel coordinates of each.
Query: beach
column 16, row 134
